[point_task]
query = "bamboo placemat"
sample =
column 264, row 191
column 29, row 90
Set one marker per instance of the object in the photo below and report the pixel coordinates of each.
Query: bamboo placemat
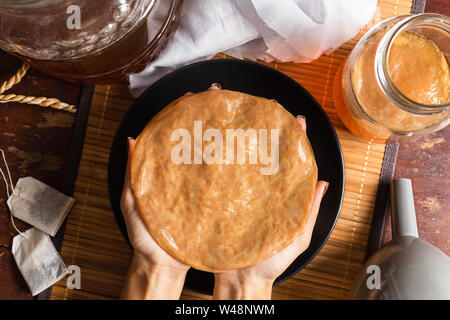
column 94, row 243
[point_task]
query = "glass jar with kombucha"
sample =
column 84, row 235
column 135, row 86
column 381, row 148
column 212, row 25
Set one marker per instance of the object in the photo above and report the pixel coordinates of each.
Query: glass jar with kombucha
column 395, row 82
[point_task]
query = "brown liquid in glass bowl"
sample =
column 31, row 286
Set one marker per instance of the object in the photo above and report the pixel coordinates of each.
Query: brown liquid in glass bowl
column 115, row 62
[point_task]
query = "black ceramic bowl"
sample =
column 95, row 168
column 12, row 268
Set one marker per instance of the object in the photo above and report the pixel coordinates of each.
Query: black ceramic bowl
column 252, row 78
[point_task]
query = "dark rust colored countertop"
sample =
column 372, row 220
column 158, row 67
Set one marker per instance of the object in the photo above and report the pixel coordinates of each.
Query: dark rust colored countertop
column 39, row 143
column 426, row 162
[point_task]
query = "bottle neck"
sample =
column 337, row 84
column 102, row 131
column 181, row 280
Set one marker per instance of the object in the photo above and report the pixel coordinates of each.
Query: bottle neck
column 382, row 71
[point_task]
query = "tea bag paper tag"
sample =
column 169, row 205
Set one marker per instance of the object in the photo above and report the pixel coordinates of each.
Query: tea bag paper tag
column 39, row 205
column 38, row 260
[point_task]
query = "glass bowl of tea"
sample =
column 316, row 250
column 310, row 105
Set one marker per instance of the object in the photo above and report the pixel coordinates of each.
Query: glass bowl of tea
column 87, row 41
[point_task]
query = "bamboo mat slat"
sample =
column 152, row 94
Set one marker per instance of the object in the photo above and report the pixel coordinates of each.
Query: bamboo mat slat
column 94, row 243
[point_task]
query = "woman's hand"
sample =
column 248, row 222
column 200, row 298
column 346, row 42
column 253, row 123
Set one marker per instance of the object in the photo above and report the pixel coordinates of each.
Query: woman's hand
column 153, row 273
column 256, row 282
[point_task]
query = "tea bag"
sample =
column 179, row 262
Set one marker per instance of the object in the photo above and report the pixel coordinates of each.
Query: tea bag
column 39, row 205
column 38, row 260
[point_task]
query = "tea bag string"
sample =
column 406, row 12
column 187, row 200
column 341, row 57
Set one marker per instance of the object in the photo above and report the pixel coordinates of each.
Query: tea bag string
column 40, row 101
column 7, row 189
column 9, row 176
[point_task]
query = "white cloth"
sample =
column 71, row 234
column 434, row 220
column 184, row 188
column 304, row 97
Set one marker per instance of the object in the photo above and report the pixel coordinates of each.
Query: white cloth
column 285, row 30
